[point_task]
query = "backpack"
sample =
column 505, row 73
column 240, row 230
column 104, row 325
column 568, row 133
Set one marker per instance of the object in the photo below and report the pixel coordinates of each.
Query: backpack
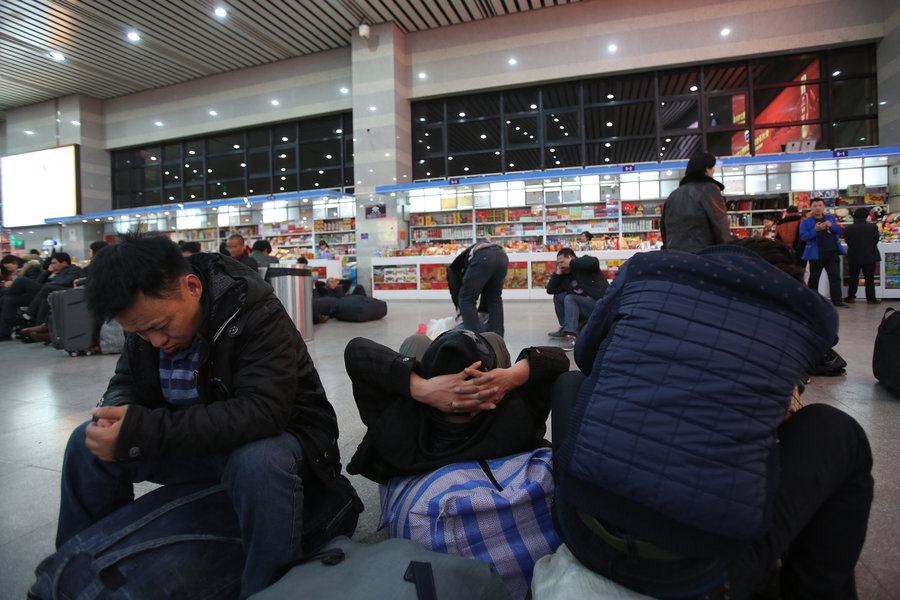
column 886, row 354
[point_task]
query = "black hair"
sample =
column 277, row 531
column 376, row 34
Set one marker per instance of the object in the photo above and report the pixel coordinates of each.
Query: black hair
column 191, row 247
column 302, row 261
column 61, row 257
column 323, row 243
column 97, row 246
column 588, row 235
column 12, row 258
column 262, row 246
column 236, row 236
column 861, row 213
column 817, row 199
column 699, row 163
column 792, row 209
column 139, row 263
column 34, row 251
column 566, row 252
column 775, row 253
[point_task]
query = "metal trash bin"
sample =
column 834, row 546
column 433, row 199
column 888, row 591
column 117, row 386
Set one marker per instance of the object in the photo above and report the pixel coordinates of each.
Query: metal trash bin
column 294, row 287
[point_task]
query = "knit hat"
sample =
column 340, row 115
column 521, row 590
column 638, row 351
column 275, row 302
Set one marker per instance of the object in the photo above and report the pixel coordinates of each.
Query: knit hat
column 453, row 351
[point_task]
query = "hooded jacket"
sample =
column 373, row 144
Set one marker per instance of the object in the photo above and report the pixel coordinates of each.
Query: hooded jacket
column 694, row 216
column 691, row 361
column 255, row 379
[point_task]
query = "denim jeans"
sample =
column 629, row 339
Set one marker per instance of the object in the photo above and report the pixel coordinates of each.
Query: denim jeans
column 263, row 479
column 484, row 277
column 570, row 308
column 831, row 263
column 820, row 516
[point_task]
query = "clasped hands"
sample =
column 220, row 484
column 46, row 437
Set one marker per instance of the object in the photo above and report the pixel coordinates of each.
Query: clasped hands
column 469, row 391
column 101, row 434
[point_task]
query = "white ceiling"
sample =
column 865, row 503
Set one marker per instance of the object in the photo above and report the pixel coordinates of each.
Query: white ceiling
column 183, row 40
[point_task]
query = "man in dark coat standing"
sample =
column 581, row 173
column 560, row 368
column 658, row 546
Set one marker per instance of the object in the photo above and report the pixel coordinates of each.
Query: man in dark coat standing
column 694, row 216
column 862, row 254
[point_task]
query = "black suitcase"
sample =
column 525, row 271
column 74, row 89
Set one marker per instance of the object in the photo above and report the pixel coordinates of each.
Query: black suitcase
column 72, row 327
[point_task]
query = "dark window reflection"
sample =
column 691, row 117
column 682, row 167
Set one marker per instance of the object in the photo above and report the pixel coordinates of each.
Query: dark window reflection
column 218, row 190
column 563, row 95
column 320, row 154
column 258, row 138
column 673, row 83
column 220, row 144
column 849, row 134
column 478, row 163
column 521, row 100
column 726, row 110
column 731, row 76
column 855, row 97
column 522, row 160
column 522, row 130
column 258, row 163
column 150, row 177
column 636, row 118
column 562, row 156
column 482, row 134
column 679, row 113
column 286, row 182
column 322, row 127
column 629, row 87
column 679, row 147
column 171, row 153
column 858, row 60
column 787, row 104
column 321, row 179
column 284, row 134
column 785, row 69
column 561, row 126
column 729, row 143
column 225, row 166
column 431, row 168
column 259, row 185
column 476, row 105
column 428, row 141
column 429, row 111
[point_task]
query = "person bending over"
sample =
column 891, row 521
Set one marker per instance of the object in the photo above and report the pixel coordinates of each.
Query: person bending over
column 214, row 384
column 576, row 285
column 455, row 399
column 679, row 475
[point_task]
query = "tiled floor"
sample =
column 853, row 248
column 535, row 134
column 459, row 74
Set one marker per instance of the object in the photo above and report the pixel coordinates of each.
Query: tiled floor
column 44, row 394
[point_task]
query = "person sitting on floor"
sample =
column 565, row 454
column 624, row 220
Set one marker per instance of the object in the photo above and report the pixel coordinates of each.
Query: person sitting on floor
column 678, row 473
column 60, row 275
column 576, row 285
column 454, row 399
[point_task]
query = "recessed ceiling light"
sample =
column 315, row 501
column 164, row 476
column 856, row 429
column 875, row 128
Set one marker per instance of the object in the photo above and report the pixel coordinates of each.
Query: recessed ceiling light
column 345, row 90
column 882, row 103
column 725, row 32
column 212, row 113
column 284, row 139
column 133, row 36
column 609, row 123
column 422, row 75
column 236, row 146
column 159, row 123
column 220, row 12
column 512, row 61
column 339, row 131
column 612, row 48
column 610, row 96
column 462, row 114
column 533, row 106
column 483, row 136
column 693, row 88
column 836, row 73
column 328, row 156
column 57, row 55
column 29, row 132
column 274, row 102
column 76, row 123
column 373, row 108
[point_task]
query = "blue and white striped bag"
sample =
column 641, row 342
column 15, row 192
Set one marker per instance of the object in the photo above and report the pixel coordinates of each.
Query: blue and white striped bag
column 497, row 511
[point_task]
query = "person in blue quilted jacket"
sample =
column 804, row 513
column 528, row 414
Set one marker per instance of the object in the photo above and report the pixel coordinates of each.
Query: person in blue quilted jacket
column 680, row 471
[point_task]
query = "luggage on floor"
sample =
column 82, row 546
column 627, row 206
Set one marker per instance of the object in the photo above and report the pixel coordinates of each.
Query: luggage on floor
column 177, row 541
column 72, row 327
column 559, row 576
column 497, row 511
column 395, row 569
column 886, row 355
column 112, row 337
column 358, row 308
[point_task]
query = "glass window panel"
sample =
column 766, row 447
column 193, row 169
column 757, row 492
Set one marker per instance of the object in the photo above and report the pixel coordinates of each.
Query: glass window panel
column 755, row 184
column 848, row 163
column 285, row 158
column 787, row 104
column 802, row 181
column 522, row 160
column 825, row 165
column 193, row 149
column 429, row 168
column 667, row 186
column 321, row 179
column 149, row 197
column 473, row 106
column 734, row 184
column 558, row 156
column 516, row 197
column 224, row 167
column 678, row 147
column 729, row 143
column 150, row 177
column 826, row 180
column 470, row 164
column 173, row 194
column 316, row 155
column 561, row 95
column 561, row 127
column 122, row 158
column 681, row 81
column 633, row 151
column 428, row 111
column 193, row 171
column 728, row 76
column 259, row 185
column 521, row 100
column 322, row 127
column 779, row 182
column 857, row 60
column 193, row 193
column 224, row 143
column 123, row 180
column 785, row 69
column 171, row 176
column 258, row 138
column 849, row 177
column 854, row 98
column 225, row 189
column 636, row 118
column 428, row 142
column 849, row 134
column 727, row 110
column 649, row 189
column 472, row 135
column 775, row 139
column 875, row 176
column 258, row 163
column 284, row 134
column 286, row 182
column 171, row 153
column 633, row 87
column 630, row 191
column 521, row 130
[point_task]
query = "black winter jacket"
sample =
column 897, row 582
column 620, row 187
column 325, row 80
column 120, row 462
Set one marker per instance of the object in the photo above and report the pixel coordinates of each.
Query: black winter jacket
column 590, row 278
column 255, row 380
column 694, row 216
column 862, row 242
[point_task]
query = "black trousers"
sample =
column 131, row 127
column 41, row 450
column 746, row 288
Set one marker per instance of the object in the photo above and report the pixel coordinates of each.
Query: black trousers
column 20, row 293
column 868, row 272
column 831, row 263
column 820, row 517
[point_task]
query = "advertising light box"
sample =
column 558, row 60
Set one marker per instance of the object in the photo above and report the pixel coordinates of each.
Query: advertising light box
column 39, row 185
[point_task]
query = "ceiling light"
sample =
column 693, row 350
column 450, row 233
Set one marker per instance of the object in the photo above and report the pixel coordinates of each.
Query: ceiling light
column 57, row 55
column 372, row 108
column 243, row 165
column 345, row 90
column 236, row 146
column 462, row 114
column 274, row 102
column 609, row 123
column 76, row 123
column 836, row 73
column 152, row 158
column 212, row 113
column 158, row 123
column 725, row 32
column 284, row 139
column 133, row 36
column 533, row 106
column 512, row 61
column 668, row 139
column 29, row 132
column 607, row 144
column 610, row 96
column 191, row 152
column 693, row 88
column 612, row 48
column 328, row 156
column 606, row 159
column 422, row 75
column 339, row 131
column 220, row 12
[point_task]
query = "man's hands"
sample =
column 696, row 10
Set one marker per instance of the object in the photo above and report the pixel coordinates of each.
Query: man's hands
column 457, row 394
column 823, row 226
column 104, row 431
column 496, row 383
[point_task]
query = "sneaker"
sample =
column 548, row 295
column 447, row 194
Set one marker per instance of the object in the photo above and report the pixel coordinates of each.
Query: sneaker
column 567, row 342
column 557, row 334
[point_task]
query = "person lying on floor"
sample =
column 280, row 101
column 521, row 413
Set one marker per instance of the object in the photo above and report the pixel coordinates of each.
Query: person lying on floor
column 455, row 399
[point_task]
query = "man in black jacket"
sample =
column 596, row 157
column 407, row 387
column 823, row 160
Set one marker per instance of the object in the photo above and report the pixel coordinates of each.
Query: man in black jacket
column 61, row 274
column 576, row 286
column 214, row 384
column 237, row 249
column 862, row 254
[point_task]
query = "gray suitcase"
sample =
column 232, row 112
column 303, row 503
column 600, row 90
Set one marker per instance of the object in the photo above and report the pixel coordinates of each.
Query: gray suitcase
column 72, row 327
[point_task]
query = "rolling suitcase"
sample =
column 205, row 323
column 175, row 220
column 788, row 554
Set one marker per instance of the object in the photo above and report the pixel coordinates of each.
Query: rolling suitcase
column 72, row 327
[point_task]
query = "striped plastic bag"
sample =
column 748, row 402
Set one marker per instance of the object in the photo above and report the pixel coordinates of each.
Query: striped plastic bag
column 497, row 511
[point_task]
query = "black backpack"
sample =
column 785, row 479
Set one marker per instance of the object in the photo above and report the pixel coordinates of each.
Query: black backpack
column 886, row 356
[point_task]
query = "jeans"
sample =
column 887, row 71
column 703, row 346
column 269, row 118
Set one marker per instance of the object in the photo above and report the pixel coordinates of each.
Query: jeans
column 820, row 516
column 484, row 277
column 868, row 272
column 831, row 262
column 571, row 308
column 262, row 479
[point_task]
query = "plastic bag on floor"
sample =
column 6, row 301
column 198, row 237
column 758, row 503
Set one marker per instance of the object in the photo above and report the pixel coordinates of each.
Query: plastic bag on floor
column 438, row 326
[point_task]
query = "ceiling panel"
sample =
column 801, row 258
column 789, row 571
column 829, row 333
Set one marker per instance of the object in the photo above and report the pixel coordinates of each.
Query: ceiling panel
column 183, row 40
